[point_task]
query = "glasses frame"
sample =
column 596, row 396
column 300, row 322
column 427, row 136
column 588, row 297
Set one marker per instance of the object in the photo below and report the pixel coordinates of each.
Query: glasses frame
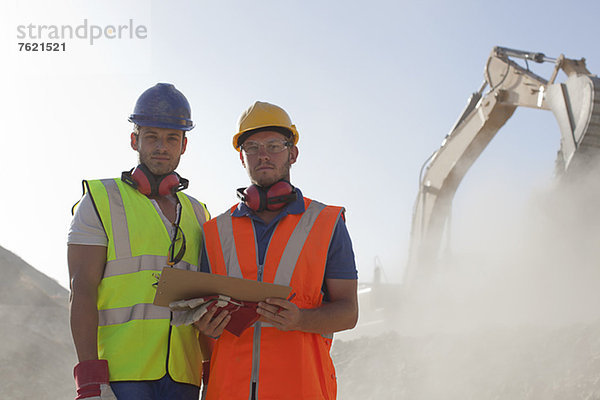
column 173, row 258
column 286, row 145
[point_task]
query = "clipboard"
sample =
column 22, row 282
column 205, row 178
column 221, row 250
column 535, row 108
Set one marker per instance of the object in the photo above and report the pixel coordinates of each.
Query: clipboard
column 178, row 284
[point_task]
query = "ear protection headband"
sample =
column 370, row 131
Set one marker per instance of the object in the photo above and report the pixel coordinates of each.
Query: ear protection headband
column 142, row 179
column 271, row 198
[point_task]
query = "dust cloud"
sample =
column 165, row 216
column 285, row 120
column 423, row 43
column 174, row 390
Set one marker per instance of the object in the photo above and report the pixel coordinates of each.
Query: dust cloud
column 514, row 312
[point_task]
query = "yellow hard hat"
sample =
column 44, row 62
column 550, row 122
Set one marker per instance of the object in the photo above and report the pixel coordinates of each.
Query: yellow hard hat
column 264, row 115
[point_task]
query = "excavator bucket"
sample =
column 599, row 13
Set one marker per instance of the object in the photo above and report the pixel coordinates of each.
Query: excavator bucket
column 576, row 106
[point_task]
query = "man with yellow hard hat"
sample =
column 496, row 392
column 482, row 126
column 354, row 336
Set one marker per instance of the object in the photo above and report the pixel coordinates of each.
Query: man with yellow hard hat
column 277, row 235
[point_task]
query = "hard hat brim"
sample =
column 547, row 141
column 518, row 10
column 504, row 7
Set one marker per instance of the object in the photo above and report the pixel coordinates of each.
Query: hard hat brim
column 167, row 123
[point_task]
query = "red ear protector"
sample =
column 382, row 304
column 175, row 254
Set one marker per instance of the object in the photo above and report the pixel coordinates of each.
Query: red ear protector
column 271, row 198
column 142, row 179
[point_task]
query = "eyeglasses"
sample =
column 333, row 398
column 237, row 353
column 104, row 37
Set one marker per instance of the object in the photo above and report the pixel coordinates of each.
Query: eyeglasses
column 272, row 147
column 178, row 242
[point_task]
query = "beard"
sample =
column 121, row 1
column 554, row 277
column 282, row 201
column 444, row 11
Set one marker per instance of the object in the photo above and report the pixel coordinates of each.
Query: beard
column 158, row 168
column 275, row 175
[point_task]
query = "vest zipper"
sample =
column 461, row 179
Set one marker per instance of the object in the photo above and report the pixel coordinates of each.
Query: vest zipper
column 258, row 325
column 169, row 343
column 259, row 276
column 255, row 360
column 256, row 345
column 177, row 220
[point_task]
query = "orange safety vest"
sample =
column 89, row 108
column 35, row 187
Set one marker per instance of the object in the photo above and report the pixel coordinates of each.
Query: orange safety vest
column 283, row 365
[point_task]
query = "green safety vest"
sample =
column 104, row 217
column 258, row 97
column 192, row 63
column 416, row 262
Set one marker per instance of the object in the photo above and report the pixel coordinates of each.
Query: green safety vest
column 134, row 335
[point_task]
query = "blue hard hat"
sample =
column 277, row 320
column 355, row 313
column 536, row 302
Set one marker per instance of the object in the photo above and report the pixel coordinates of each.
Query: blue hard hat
column 163, row 106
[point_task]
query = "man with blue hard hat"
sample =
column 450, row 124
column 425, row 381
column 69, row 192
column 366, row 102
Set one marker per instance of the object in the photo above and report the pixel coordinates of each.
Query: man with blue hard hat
column 124, row 231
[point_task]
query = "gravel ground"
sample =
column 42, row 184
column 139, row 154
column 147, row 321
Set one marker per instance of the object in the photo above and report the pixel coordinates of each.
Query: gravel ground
column 508, row 363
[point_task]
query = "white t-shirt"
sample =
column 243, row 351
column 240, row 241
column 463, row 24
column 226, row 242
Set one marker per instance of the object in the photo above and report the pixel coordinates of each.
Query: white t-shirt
column 87, row 229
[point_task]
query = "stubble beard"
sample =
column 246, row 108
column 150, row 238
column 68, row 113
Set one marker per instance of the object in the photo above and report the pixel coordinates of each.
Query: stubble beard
column 282, row 173
column 160, row 169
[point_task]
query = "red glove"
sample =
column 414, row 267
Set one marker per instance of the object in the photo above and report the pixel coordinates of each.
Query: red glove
column 243, row 314
column 91, row 380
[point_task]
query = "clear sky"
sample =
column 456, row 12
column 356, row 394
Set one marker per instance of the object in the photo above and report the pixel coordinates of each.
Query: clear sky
column 372, row 86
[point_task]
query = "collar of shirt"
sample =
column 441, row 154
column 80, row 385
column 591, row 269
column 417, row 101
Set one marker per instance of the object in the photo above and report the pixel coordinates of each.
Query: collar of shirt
column 295, row 207
column 263, row 231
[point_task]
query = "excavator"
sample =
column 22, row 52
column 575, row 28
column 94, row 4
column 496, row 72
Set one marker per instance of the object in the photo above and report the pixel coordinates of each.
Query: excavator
column 575, row 104
column 508, row 85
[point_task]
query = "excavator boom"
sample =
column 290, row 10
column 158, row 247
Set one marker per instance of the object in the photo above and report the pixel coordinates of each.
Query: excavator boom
column 575, row 104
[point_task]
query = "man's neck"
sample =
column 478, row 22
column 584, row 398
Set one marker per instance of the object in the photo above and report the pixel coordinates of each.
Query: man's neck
column 168, row 205
column 267, row 216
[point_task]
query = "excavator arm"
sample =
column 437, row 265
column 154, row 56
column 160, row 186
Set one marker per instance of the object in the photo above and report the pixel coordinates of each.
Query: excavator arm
column 575, row 104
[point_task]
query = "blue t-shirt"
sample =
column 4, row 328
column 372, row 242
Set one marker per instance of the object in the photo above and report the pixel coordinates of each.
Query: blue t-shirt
column 340, row 256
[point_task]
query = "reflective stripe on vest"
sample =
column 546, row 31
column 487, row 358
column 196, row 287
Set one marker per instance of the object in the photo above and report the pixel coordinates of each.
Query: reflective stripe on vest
column 290, row 254
column 138, row 242
column 281, row 363
column 125, row 314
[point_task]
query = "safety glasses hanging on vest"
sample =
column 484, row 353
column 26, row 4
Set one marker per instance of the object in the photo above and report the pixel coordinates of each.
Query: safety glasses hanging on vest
column 177, row 241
